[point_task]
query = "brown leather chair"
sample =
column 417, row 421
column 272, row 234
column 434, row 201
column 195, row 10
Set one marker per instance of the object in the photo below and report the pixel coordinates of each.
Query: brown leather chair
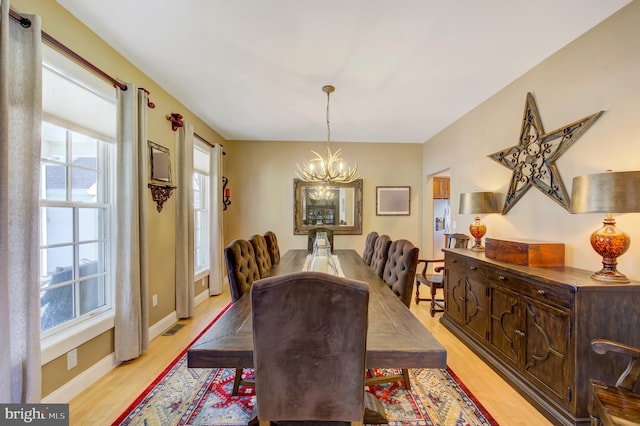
column 312, row 237
column 263, row 260
column 272, row 246
column 242, row 271
column 399, row 274
column 380, row 254
column 617, row 404
column 309, row 347
column 431, row 275
column 369, row 245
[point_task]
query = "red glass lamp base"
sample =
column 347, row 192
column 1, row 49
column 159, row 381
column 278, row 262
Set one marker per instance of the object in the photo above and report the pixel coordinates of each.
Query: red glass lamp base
column 477, row 230
column 610, row 243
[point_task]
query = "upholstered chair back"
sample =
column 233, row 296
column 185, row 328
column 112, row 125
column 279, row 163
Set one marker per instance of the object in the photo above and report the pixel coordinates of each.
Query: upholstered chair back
column 380, row 254
column 309, row 347
column 242, row 269
column 312, row 237
column 272, row 246
column 369, row 245
column 262, row 254
column 400, row 269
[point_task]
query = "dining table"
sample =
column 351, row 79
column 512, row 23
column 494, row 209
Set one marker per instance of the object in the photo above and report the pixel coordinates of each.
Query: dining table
column 395, row 337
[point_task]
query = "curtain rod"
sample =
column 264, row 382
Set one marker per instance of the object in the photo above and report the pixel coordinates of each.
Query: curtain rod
column 212, row 145
column 26, row 23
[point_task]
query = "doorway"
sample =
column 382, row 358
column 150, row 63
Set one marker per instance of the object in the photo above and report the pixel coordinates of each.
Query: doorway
column 441, row 210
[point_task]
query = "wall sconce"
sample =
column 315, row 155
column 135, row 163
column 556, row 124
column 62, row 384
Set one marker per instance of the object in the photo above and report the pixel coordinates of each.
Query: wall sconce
column 612, row 192
column 226, row 193
column 176, row 120
column 478, row 203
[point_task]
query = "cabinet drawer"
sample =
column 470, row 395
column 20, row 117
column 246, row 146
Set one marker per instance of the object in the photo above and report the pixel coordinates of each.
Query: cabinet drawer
column 534, row 290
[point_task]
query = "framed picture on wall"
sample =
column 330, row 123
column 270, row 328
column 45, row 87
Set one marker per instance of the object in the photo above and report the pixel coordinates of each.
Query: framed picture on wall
column 393, row 200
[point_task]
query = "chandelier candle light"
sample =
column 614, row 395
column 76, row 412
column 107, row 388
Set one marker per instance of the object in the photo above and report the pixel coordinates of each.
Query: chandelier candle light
column 612, row 192
column 330, row 169
column 478, row 203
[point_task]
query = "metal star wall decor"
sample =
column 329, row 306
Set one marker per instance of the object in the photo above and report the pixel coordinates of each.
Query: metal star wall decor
column 533, row 160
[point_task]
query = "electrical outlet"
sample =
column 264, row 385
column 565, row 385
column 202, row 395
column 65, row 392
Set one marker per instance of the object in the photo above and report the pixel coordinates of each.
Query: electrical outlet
column 72, row 358
column 453, row 224
column 155, row 300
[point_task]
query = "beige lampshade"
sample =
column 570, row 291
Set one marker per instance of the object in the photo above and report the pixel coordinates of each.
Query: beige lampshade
column 612, row 192
column 478, row 203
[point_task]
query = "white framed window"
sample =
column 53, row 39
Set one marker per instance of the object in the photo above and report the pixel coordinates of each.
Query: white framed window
column 201, row 206
column 77, row 176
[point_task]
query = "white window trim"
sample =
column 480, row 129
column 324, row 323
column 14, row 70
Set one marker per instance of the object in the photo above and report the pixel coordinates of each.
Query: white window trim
column 201, row 273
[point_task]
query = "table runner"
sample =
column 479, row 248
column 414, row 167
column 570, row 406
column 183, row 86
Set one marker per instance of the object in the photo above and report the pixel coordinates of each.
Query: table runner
column 335, row 260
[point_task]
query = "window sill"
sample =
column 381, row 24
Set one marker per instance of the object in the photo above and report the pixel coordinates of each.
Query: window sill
column 60, row 343
column 200, row 274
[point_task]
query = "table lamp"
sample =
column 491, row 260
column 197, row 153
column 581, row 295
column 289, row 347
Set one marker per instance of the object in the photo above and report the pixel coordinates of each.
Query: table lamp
column 612, row 192
column 478, row 203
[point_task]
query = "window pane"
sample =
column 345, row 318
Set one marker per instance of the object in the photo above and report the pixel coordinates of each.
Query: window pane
column 54, row 182
column 56, row 306
column 56, row 226
column 89, row 224
column 83, row 148
column 92, row 294
column 83, row 183
column 91, row 252
column 56, row 265
column 54, row 142
column 196, row 191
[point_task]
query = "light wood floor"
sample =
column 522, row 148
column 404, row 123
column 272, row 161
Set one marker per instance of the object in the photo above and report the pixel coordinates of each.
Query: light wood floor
column 104, row 401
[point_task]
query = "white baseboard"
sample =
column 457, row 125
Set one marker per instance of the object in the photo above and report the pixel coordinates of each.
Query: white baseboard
column 82, row 381
column 202, row 297
column 158, row 328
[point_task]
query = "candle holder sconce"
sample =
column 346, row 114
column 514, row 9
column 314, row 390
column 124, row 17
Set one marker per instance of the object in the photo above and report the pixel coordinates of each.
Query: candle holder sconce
column 226, row 193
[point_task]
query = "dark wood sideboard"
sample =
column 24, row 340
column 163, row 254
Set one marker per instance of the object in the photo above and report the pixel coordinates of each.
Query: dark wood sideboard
column 534, row 327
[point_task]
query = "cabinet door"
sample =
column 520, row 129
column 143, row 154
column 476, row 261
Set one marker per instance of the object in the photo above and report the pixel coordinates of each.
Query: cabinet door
column 454, row 290
column 546, row 347
column 475, row 302
column 506, row 324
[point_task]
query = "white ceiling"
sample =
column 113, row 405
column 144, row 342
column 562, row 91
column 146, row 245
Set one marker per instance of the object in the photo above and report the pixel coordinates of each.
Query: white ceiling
column 403, row 69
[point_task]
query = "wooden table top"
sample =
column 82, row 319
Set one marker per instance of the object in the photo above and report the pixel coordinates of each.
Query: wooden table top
column 395, row 338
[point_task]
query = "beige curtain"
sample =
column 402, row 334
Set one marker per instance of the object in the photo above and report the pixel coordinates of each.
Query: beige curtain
column 132, row 294
column 216, row 237
column 185, row 293
column 20, row 138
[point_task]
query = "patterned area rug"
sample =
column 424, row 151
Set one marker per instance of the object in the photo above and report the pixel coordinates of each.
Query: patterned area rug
column 197, row 396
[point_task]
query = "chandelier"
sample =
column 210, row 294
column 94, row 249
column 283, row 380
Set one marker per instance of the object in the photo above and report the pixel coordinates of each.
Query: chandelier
column 330, row 169
column 321, row 193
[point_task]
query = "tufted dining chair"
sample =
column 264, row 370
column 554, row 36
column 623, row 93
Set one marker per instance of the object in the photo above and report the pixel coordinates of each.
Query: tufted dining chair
column 380, row 254
column 263, row 260
column 320, row 321
column 369, row 245
column 312, row 237
column 399, row 273
column 242, row 271
column 272, row 247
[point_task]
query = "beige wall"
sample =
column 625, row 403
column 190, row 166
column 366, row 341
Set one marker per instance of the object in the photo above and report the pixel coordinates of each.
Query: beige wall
column 599, row 71
column 261, row 180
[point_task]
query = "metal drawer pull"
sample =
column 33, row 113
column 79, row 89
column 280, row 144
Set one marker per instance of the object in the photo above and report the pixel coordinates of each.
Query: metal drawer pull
column 473, row 268
column 541, row 292
column 501, row 278
column 519, row 333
